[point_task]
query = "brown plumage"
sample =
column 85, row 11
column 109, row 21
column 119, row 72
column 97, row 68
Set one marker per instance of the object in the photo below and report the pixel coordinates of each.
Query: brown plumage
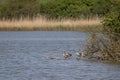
column 67, row 55
column 78, row 54
column 81, row 54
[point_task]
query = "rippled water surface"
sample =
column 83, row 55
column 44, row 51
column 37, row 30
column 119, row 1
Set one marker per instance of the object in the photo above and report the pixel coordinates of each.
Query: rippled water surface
column 25, row 56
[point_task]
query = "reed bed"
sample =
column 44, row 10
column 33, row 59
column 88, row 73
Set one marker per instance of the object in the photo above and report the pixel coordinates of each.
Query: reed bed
column 49, row 24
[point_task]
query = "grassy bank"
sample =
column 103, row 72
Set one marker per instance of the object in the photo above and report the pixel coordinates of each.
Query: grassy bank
column 43, row 24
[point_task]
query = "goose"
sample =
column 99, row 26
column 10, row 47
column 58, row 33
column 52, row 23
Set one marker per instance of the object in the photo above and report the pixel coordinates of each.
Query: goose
column 66, row 55
column 83, row 54
column 78, row 54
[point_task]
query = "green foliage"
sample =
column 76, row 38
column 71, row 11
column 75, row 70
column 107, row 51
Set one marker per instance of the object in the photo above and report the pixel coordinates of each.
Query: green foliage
column 65, row 9
column 18, row 8
column 54, row 8
column 111, row 21
column 101, row 7
column 108, row 45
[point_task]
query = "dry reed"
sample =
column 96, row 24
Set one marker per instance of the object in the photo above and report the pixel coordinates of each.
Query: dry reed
column 43, row 23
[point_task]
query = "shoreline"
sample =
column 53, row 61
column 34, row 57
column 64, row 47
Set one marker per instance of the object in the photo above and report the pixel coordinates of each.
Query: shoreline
column 97, row 28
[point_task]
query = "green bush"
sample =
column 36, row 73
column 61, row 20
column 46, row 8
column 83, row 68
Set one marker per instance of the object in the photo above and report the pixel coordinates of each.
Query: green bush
column 111, row 20
column 64, row 9
column 18, row 8
column 54, row 8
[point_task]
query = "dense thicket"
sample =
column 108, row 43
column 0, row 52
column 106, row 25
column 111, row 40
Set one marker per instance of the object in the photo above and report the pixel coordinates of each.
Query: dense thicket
column 54, row 8
column 109, row 43
column 112, row 19
column 111, row 24
column 75, row 8
column 18, row 8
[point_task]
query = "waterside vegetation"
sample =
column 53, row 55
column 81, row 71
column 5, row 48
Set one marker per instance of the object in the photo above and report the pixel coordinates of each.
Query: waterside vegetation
column 59, row 15
column 107, row 44
column 43, row 24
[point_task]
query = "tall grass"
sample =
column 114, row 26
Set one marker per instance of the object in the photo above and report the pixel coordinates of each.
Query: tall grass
column 44, row 24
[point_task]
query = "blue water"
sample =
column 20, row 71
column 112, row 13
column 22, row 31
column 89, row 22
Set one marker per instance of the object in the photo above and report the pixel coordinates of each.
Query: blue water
column 25, row 56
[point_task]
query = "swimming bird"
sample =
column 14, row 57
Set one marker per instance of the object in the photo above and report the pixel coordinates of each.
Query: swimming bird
column 78, row 54
column 66, row 55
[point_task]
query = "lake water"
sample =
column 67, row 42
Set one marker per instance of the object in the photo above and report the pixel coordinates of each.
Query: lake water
column 25, row 56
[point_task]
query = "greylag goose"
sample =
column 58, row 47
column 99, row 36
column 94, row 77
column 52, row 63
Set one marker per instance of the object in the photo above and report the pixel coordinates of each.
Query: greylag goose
column 66, row 55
